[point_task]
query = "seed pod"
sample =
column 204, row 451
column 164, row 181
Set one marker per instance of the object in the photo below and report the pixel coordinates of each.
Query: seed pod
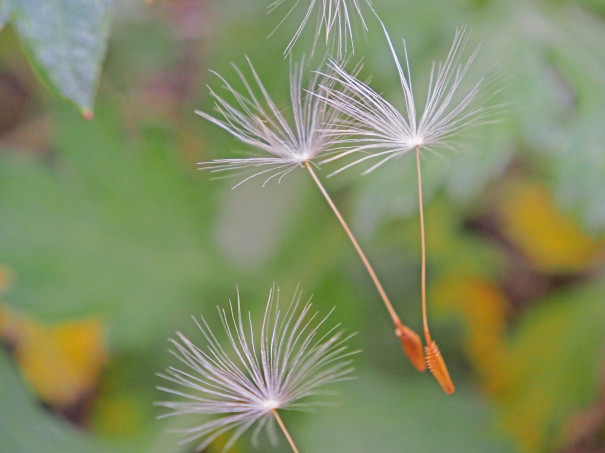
column 436, row 364
column 412, row 345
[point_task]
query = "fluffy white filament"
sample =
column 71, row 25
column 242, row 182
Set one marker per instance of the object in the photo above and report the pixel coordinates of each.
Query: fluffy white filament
column 383, row 132
column 335, row 20
column 242, row 381
column 257, row 121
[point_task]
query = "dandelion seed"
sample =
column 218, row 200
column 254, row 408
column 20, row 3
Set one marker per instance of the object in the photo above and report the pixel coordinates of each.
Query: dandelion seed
column 383, row 132
column 258, row 372
column 334, row 20
column 263, row 125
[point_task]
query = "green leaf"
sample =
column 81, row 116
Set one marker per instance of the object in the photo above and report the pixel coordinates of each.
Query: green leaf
column 376, row 413
column 578, row 171
column 26, row 428
column 556, row 359
column 66, row 42
column 114, row 227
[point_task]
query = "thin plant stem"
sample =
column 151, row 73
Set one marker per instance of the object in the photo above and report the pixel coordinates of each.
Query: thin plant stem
column 427, row 334
column 284, row 430
column 362, row 255
column 412, row 345
column 434, row 359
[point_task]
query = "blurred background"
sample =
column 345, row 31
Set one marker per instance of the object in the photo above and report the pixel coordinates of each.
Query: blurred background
column 110, row 239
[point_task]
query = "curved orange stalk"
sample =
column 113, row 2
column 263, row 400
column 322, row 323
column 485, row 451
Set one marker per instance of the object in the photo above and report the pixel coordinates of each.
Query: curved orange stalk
column 434, row 358
column 409, row 339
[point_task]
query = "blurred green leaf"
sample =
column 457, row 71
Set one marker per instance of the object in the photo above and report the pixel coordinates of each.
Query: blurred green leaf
column 377, row 413
column 556, row 355
column 114, row 227
column 66, row 42
column 578, row 171
column 557, row 67
column 26, row 428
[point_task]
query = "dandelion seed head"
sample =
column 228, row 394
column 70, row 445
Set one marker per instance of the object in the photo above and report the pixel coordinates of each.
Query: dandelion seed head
column 413, row 142
column 285, row 139
column 270, row 404
column 238, row 383
column 335, row 21
column 382, row 132
column 305, row 155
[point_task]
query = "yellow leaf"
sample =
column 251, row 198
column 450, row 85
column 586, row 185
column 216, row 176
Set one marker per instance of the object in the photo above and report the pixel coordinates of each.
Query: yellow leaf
column 482, row 307
column 62, row 362
column 551, row 240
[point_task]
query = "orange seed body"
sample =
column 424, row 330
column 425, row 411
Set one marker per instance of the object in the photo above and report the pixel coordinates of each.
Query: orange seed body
column 436, row 364
column 412, row 345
